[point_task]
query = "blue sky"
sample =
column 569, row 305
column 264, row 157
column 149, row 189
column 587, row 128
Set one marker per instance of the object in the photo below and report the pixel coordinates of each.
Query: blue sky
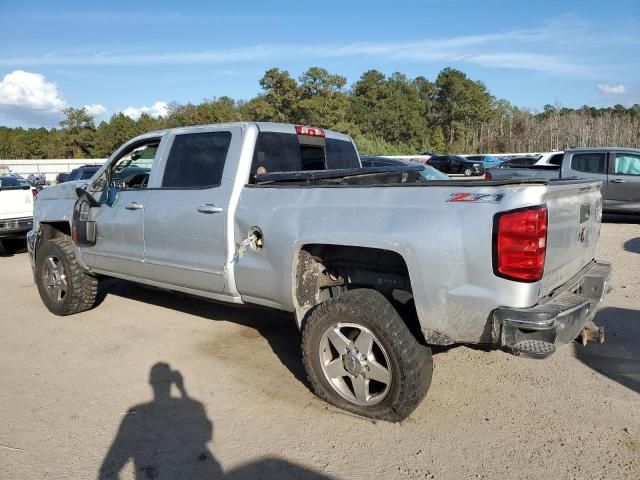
column 130, row 56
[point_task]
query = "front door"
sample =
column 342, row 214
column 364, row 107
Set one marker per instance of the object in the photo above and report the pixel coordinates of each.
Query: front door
column 186, row 212
column 121, row 194
column 624, row 179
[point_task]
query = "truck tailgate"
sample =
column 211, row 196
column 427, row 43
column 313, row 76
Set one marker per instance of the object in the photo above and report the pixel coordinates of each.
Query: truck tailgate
column 575, row 212
column 15, row 202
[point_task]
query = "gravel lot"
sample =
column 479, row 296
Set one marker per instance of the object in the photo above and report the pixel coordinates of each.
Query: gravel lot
column 75, row 395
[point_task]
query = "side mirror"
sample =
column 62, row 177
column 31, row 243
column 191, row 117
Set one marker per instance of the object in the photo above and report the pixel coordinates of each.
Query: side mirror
column 83, row 230
column 84, row 195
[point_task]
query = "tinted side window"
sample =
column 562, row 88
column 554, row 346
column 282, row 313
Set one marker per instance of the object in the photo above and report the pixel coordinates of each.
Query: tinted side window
column 556, row 159
column 627, row 164
column 196, row 160
column 588, row 162
column 341, row 154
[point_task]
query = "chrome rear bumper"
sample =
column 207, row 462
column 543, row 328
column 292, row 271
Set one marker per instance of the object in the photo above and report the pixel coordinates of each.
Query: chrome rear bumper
column 561, row 318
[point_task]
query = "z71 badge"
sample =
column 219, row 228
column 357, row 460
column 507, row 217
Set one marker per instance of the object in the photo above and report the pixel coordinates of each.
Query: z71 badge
column 475, row 197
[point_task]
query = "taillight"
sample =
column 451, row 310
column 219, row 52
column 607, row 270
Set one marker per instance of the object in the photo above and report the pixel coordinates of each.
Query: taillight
column 309, row 131
column 487, row 175
column 520, row 244
column 34, row 192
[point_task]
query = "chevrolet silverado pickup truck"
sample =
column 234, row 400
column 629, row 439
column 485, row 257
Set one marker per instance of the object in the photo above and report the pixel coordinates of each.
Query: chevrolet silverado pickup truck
column 16, row 211
column 617, row 168
column 376, row 264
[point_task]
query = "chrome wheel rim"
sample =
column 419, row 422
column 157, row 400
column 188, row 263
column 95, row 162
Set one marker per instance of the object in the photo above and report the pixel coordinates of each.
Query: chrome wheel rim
column 355, row 363
column 54, row 279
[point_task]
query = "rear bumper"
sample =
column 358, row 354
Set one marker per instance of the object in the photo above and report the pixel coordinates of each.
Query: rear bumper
column 560, row 319
column 15, row 227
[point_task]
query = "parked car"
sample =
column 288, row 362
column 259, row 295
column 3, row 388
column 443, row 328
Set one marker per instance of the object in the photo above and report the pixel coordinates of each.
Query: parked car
column 428, row 172
column 16, row 211
column 37, row 179
column 456, row 164
column 284, row 216
column 487, row 161
column 518, row 162
column 84, row 172
column 617, row 168
column 124, row 176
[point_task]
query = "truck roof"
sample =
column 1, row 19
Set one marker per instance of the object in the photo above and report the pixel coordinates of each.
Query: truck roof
column 603, row 149
column 262, row 126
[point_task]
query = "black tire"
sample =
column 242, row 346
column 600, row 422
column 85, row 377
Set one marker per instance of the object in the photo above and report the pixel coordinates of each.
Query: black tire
column 409, row 363
column 81, row 288
column 468, row 172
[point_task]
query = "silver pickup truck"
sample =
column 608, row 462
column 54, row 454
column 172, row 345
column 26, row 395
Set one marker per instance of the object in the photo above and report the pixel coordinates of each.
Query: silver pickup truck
column 617, row 168
column 377, row 264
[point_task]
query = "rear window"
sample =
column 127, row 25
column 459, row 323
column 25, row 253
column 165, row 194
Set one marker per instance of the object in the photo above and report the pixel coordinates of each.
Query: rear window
column 588, row 162
column 196, row 160
column 285, row 152
column 556, row 159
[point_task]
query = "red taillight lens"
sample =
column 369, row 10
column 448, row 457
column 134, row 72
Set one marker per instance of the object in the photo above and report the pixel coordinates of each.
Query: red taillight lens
column 309, row 131
column 521, row 244
column 34, row 192
column 487, row 175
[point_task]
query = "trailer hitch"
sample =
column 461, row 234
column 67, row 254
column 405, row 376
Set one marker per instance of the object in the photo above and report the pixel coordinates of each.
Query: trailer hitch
column 592, row 333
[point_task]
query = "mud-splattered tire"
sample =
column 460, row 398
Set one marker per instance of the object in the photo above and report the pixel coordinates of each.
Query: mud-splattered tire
column 385, row 381
column 64, row 287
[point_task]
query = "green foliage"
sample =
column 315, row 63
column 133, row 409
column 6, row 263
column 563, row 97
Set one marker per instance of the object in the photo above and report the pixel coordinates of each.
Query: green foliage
column 392, row 115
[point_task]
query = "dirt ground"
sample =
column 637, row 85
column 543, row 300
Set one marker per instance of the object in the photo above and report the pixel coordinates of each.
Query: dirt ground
column 76, row 402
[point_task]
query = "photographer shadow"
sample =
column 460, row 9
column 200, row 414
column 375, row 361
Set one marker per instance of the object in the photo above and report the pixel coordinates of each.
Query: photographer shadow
column 168, row 437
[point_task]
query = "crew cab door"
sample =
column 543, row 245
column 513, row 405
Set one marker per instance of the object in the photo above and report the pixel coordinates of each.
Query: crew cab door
column 589, row 165
column 116, row 220
column 624, row 178
column 186, row 210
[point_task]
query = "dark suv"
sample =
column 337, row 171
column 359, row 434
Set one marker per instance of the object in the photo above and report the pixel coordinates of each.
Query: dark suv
column 456, row 164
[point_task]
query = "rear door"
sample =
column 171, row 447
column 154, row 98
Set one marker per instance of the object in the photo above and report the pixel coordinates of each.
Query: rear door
column 624, row 178
column 588, row 165
column 186, row 211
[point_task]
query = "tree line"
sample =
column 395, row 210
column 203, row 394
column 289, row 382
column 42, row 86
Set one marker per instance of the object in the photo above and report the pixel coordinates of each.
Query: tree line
column 384, row 114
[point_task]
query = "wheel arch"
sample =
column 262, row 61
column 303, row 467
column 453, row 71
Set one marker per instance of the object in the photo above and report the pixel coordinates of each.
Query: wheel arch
column 324, row 270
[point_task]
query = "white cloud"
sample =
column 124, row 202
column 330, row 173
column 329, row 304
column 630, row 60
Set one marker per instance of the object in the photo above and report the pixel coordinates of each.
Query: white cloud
column 28, row 97
column 95, row 109
column 158, row 109
column 611, row 89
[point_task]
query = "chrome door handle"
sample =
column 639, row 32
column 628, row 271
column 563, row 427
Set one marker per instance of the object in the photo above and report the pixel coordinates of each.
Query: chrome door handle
column 618, row 180
column 209, row 208
column 134, row 206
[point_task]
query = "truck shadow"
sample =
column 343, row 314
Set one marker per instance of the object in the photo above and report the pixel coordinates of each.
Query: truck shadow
column 277, row 327
column 621, row 218
column 168, row 437
column 619, row 356
column 632, row 245
column 11, row 247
